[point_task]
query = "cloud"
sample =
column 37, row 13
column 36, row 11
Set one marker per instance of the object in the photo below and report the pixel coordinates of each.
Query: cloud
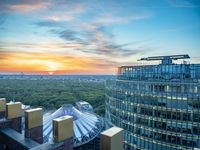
column 28, row 7
column 49, row 23
column 97, row 41
column 63, row 11
column 23, row 6
column 110, row 20
column 93, row 36
column 69, row 35
column 58, row 18
column 102, row 42
column 50, row 47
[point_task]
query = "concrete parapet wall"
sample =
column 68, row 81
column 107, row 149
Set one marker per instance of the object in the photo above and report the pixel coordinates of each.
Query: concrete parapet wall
column 34, row 124
column 112, row 139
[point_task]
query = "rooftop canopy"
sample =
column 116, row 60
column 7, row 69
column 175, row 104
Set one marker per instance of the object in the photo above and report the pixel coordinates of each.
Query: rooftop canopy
column 87, row 125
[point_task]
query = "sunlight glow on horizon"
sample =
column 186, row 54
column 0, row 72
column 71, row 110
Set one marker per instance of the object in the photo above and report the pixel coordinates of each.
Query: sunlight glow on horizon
column 50, row 64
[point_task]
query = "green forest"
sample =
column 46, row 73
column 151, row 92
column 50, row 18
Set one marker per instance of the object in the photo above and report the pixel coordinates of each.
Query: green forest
column 51, row 94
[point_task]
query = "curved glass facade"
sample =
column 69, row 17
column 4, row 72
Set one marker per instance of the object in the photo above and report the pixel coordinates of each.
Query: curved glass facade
column 157, row 105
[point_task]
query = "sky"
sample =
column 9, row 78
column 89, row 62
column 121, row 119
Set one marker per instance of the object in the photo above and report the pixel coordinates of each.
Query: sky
column 94, row 36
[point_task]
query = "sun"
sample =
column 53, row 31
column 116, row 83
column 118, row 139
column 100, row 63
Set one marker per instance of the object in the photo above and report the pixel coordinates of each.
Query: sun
column 52, row 67
column 51, row 73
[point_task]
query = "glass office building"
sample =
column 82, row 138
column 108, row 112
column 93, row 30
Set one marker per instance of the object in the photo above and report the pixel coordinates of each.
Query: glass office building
column 157, row 105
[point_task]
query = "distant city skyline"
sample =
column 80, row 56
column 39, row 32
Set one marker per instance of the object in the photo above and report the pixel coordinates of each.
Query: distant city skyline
column 94, row 37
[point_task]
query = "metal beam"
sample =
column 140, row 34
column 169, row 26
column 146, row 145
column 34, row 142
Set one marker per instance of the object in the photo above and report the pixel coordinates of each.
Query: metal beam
column 173, row 57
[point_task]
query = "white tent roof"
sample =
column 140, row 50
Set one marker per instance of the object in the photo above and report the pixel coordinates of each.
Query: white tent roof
column 87, row 126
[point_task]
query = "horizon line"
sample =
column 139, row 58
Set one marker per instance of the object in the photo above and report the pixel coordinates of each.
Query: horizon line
column 7, row 73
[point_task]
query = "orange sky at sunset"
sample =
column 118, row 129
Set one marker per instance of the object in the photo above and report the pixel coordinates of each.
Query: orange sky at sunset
column 50, row 64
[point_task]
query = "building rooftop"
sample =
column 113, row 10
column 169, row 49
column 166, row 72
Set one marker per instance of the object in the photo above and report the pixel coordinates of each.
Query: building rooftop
column 166, row 71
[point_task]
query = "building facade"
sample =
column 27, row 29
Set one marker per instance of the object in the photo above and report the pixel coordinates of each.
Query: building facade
column 157, row 105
